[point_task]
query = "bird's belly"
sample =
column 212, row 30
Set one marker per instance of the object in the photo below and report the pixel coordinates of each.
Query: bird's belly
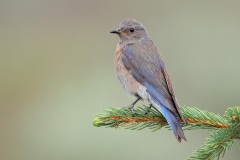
column 129, row 83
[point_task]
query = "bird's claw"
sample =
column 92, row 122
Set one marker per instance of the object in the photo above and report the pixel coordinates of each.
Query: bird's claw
column 131, row 107
column 148, row 109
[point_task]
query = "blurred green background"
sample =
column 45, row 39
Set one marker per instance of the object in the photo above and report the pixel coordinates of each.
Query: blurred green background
column 56, row 68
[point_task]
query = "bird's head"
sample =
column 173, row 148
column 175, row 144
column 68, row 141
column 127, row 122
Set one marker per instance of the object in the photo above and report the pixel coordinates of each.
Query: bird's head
column 130, row 29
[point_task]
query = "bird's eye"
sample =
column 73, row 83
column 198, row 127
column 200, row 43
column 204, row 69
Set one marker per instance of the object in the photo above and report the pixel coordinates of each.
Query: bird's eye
column 131, row 29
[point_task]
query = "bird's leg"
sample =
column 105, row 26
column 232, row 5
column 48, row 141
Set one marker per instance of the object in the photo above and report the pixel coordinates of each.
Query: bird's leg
column 148, row 109
column 131, row 106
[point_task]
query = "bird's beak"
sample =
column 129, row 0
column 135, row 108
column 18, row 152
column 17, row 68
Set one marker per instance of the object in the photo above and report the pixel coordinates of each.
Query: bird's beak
column 115, row 31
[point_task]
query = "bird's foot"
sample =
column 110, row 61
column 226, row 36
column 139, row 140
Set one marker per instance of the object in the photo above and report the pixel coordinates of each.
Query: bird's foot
column 131, row 107
column 148, row 109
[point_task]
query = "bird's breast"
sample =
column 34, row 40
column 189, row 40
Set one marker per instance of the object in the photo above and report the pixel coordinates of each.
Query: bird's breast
column 129, row 83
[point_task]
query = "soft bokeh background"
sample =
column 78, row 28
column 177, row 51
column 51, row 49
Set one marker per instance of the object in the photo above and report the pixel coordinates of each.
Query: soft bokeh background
column 56, row 68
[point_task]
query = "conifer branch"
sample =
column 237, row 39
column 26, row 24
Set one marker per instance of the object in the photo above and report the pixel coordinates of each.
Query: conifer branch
column 227, row 128
column 123, row 118
column 216, row 144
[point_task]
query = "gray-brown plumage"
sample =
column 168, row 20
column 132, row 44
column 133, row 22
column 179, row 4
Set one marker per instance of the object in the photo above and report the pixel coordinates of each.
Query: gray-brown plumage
column 142, row 72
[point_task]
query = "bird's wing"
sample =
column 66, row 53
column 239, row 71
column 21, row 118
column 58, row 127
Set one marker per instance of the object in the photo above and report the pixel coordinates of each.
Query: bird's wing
column 147, row 67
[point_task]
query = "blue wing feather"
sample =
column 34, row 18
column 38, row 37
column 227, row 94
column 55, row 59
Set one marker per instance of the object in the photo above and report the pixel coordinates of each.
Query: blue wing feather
column 148, row 75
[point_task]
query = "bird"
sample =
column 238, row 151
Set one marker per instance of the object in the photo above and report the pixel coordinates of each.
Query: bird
column 142, row 73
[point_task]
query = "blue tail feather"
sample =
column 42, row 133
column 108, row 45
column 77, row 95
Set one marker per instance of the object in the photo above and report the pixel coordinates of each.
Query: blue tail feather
column 171, row 119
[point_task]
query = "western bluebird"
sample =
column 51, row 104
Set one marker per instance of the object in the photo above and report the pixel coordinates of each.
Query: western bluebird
column 142, row 73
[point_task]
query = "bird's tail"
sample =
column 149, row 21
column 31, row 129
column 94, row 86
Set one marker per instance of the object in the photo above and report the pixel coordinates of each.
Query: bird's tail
column 171, row 119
